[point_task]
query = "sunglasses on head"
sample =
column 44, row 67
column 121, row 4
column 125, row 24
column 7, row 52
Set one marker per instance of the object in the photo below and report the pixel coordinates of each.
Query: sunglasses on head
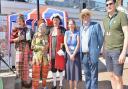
column 109, row 4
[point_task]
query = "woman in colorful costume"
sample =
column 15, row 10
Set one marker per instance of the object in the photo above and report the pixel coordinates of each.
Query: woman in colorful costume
column 40, row 60
column 22, row 46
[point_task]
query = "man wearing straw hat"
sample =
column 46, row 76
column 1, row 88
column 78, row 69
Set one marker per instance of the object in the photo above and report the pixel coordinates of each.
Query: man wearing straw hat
column 91, row 40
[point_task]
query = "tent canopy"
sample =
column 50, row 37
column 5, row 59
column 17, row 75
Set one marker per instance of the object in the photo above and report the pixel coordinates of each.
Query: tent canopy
column 45, row 13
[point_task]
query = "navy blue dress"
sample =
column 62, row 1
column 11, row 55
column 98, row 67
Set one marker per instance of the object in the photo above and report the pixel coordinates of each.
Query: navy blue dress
column 73, row 68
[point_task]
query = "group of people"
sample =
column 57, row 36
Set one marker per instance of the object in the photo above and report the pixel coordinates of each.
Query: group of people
column 60, row 49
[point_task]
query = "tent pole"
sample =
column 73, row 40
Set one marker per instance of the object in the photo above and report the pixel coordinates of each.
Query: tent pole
column 38, row 10
column 0, row 6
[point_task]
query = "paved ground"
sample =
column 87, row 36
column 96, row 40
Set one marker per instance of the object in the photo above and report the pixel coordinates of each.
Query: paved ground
column 103, row 83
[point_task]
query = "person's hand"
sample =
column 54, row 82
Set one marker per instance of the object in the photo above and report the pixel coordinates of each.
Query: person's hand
column 49, row 64
column 21, row 37
column 72, row 57
column 16, row 40
column 61, row 52
column 36, row 61
column 122, row 58
column 43, row 48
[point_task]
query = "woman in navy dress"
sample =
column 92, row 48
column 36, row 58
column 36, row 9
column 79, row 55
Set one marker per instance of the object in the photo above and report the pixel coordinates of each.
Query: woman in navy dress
column 73, row 65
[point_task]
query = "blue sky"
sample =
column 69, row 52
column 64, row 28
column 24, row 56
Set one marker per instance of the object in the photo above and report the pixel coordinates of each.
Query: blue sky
column 125, row 1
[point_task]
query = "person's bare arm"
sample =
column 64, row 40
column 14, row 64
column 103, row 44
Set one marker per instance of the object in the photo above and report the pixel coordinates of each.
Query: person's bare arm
column 125, row 45
column 77, row 46
column 66, row 46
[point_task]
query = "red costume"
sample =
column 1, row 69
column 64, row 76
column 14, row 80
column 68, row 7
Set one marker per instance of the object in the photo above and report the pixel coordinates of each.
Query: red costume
column 59, row 60
column 14, row 34
column 22, row 54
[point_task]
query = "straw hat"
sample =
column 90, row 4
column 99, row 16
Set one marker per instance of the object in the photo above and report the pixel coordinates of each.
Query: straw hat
column 85, row 12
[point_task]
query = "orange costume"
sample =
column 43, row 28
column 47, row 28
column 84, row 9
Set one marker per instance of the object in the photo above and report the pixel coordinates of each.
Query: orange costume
column 40, row 59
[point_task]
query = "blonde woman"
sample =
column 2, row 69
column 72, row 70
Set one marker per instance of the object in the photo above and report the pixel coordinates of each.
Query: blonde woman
column 73, row 66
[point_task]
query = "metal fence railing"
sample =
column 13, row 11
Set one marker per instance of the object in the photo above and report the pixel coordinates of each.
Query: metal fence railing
column 4, row 40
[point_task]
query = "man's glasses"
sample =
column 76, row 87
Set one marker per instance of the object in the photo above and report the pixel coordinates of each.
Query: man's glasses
column 109, row 4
